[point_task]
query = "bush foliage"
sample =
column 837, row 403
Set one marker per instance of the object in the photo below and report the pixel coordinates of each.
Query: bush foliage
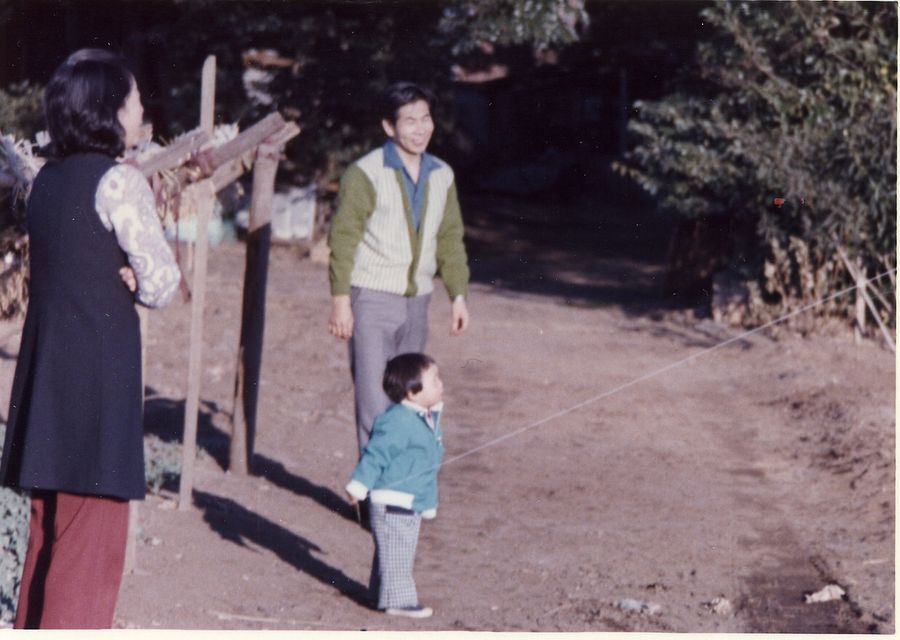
column 788, row 100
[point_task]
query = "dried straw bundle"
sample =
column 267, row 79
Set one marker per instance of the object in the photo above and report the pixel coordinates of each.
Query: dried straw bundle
column 19, row 164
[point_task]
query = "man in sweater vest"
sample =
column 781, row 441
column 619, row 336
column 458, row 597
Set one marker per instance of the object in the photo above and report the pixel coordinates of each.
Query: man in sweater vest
column 397, row 225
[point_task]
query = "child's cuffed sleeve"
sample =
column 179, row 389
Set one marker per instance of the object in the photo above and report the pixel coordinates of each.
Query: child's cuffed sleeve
column 357, row 489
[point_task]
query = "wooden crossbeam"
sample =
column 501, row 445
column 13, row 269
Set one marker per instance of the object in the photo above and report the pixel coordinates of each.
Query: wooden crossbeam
column 248, row 140
column 175, row 155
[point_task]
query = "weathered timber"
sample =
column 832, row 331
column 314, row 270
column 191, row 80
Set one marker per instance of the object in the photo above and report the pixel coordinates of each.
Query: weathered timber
column 860, row 280
column 246, row 140
column 208, row 95
column 205, row 194
column 259, row 241
column 175, row 154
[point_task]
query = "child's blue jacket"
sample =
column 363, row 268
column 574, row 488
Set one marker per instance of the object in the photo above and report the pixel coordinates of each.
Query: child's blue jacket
column 400, row 463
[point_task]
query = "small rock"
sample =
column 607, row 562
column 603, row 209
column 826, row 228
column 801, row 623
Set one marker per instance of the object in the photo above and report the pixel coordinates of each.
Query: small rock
column 720, row 606
column 826, row 594
column 639, row 606
column 154, row 541
column 884, row 615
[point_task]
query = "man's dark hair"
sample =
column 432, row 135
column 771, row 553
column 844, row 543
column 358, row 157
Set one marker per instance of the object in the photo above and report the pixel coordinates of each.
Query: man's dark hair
column 82, row 103
column 403, row 375
column 401, row 94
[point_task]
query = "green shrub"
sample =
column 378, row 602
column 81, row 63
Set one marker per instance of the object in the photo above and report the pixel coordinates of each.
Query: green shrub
column 21, row 110
column 162, row 462
column 792, row 100
column 14, row 515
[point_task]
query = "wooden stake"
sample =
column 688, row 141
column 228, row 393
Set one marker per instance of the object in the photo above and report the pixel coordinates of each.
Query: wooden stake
column 860, row 329
column 131, row 542
column 208, row 95
column 862, row 297
column 259, row 240
column 205, row 195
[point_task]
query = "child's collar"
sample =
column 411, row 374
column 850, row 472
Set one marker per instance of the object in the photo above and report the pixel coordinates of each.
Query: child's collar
column 420, row 409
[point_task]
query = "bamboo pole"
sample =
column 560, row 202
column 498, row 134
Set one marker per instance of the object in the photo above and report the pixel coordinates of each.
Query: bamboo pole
column 891, row 270
column 205, row 195
column 860, row 329
column 859, row 278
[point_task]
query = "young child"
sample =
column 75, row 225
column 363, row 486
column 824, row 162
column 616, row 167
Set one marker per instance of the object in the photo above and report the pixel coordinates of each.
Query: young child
column 398, row 471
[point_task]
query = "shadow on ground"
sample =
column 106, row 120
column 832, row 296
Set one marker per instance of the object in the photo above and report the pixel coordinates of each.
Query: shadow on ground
column 587, row 254
column 241, row 526
column 164, row 418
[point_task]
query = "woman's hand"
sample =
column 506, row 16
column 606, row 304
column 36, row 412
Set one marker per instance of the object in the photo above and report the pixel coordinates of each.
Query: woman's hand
column 128, row 277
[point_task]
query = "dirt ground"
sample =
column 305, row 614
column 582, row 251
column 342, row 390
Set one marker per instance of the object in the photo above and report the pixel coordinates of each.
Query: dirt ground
column 608, row 467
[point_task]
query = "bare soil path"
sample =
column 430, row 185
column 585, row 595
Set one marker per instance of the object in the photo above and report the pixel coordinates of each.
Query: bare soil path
column 586, row 472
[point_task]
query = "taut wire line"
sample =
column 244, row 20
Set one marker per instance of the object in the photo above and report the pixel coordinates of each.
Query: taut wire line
column 659, row 371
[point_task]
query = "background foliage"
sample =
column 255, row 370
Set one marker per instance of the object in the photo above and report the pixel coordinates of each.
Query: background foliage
column 793, row 100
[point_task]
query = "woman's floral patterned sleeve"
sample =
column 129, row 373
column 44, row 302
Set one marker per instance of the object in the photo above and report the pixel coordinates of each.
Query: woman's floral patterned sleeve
column 126, row 206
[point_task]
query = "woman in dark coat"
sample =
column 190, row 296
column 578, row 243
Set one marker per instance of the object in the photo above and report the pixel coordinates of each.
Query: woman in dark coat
column 74, row 437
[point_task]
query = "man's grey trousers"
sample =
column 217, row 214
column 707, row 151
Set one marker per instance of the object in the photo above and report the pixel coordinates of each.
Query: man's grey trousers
column 384, row 325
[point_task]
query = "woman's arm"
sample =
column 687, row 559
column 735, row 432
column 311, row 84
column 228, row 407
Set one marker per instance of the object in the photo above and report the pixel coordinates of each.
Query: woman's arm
column 127, row 207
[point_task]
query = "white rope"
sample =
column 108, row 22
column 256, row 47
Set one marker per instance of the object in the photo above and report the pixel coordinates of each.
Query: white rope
column 647, row 376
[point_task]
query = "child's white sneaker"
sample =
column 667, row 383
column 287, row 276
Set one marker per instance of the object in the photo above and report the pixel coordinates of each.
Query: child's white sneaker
column 417, row 611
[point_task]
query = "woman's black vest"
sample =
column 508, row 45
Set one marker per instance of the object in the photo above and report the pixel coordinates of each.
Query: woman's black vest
column 75, row 416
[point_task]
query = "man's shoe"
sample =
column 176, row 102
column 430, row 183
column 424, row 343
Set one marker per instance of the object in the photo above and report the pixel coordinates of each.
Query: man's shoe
column 417, row 611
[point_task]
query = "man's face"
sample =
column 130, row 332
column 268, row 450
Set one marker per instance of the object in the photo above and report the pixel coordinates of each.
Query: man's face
column 413, row 128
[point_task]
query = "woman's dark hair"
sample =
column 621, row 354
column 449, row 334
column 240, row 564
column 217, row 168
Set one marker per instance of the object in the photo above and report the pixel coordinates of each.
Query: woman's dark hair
column 401, row 94
column 82, row 103
column 403, row 375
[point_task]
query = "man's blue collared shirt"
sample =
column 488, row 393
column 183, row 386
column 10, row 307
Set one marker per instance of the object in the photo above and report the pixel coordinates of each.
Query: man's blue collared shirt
column 415, row 191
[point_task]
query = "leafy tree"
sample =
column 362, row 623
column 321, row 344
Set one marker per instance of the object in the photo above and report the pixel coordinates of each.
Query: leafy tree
column 787, row 100
column 540, row 23
column 21, row 112
column 333, row 61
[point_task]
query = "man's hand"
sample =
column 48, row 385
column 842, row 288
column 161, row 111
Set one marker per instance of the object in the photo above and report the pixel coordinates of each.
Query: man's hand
column 128, row 277
column 351, row 499
column 460, row 316
column 340, row 324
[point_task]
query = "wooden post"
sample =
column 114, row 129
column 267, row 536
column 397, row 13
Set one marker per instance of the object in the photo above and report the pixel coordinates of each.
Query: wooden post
column 860, row 327
column 253, row 314
column 862, row 297
column 133, row 511
column 205, row 194
column 208, row 95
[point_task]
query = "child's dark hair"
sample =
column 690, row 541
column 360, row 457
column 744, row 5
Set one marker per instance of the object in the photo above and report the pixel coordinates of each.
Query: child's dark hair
column 401, row 94
column 403, row 375
column 82, row 101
